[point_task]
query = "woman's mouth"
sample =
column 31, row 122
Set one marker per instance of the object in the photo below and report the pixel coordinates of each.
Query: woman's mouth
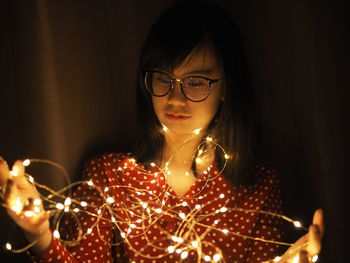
column 174, row 117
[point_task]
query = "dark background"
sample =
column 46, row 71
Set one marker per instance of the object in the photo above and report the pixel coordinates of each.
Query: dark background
column 67, row 78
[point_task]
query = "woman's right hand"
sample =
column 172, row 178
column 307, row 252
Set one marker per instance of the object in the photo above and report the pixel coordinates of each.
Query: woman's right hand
column 24, row 205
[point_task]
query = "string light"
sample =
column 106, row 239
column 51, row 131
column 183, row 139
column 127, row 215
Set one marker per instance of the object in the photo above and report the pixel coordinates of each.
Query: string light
column 183, row 239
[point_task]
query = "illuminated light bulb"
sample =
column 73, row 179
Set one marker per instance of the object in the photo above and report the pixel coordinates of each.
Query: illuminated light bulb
column 76, row 210
column 200, row 197
column 26, row 162
column 184, row 254
column 37, row 202
column 296, row 259
column 178, row 251
column 205, row 172
column 153, row 181
column 194, row 243
column 110, row 200
column 163, row 202
column 131, row 213
column 182, row 215
column 150, row 192
column 129, row 230
column 155, row 174
column 158, row 210
column 222, row 196
column 184, row 203
column 8, row 246
column 132, row 225
column 187, row 174
column 66, row 209
column 56, row 234
column 169, row 172
column 197, row 206
column 297, row 224
column 209, row 139
column 176, row 239
column 277, row 259
column 17, row 206
column 29, row 213
column 225, row 231
column 59, row 206
column 90, row 183
column 314, row 258
column 153, row 164
column 113, row 219
column 139, row 220
column 148, row 210
column 165, row 129
column 83, row 204
column 68, row 201
column 122, row 235
column 197, row 131
column 144, row 205
column 227, row 156
column 223, row 209
column 31, row 179
column 171, row 249
column 216, row 222
column 198, row 160
column 36, row 210
column 106, row 189
column 99, row 211
column 216, row 257
column 138, row 193
column 200, row 152
column 207, row 258
column 14, row 172
column 89, row 231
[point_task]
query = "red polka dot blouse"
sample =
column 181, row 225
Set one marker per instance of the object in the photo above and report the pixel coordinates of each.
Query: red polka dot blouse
column 126, row 212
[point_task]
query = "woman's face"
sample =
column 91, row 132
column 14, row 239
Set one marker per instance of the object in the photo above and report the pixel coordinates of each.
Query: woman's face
column 180, row 115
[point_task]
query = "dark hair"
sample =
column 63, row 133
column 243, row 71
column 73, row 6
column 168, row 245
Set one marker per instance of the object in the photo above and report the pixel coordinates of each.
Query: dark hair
column 186, row 27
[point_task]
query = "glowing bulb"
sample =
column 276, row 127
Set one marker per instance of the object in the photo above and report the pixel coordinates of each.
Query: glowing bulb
column 113, row 219
column 207, row 258
column 216, row 257
column 176, row 239
column 197, row 131
column 29, row 213
column 26, row 162
column 198, row 160
column 106, row 189
column 297, row 224
column 31, row 179
column 123, row 235
column 14, row 172
column 37, row 202
column 165, row 129
column 223, row 209
column 171, row 249
column 296, row 259
column 139, row 220
column 99, row 211
column 194, row 243
column 169, row 172
column 129, row 230
column 83, row 204
column 187, row 174
column 36, row 210
column 76, row 210
column 178, row 251
column 184, row 254
column 89, row 231
column 225, row 231
column 216, row 222
column 209, row 139
column 184, row 203
column 56, row 234
column 314, row 258
column 200, row 152
column 68, row 201
column 132, row 225
column 8, row 246
column 90, row 183
column 227, row 156
column 222, row 196
column 197, row 206
column 144, row 205
column 277, row 259
column 158, row 210
column 17, row 206
column 153, row 164
column 59, row 206
column 182, row 215
column 110, row 200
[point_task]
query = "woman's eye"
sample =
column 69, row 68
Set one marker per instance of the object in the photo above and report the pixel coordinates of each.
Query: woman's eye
column 195, row 83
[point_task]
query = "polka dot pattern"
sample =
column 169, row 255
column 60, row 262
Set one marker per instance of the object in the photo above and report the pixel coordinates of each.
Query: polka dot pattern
column 219, row 204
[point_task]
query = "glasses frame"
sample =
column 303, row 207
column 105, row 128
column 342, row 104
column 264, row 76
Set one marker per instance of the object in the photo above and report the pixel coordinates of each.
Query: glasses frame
column 173, row 80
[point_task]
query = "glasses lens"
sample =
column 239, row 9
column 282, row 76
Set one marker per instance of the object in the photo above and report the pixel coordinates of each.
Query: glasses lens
column 196, row 89
column 157, row 83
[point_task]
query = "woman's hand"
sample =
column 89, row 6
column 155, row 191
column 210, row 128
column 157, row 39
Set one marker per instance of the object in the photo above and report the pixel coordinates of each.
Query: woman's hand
column 307, row 248
column 24, row 205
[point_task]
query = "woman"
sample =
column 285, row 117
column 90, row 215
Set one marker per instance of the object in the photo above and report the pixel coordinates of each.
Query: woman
column 190, row 190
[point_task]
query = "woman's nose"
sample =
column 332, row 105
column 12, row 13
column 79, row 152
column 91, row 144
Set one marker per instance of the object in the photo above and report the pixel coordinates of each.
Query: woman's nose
column 175, row 95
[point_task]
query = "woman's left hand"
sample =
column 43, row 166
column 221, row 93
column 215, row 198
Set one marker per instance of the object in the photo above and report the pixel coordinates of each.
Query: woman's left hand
column 307, row 248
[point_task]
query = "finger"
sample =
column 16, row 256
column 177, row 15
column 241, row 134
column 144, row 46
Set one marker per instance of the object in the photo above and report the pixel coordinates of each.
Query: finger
column 319, row 220
column 314, row 246
column 18, row 171
column 303, row 257
column 8, row 190
column 4, row 172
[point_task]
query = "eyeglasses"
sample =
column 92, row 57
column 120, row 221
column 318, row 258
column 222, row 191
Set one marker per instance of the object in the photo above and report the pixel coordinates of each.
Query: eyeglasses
column 194, row 88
